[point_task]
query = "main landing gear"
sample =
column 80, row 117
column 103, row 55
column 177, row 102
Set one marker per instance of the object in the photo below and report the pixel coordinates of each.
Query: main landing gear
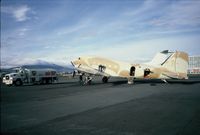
column 86, row 80
column 130, row 80
column 105, row 79
column 164, row 80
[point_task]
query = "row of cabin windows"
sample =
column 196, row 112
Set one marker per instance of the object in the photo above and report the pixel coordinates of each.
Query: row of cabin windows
column 104, row 65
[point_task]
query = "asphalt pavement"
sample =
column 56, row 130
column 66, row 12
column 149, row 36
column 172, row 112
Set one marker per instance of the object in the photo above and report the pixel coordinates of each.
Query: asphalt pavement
column 114, row 108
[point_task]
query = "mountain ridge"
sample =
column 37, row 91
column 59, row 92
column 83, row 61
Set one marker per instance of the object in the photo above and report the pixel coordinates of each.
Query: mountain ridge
column 41, row 64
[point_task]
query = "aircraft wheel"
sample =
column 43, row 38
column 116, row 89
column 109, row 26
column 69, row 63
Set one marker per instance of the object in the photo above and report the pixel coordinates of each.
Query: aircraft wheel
column 90, row 82
column 18, row 82
column 105, row 79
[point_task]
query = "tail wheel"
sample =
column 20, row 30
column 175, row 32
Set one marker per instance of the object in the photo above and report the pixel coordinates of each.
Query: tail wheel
column 105, row 79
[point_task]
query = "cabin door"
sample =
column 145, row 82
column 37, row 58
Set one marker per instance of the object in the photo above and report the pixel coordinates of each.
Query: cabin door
column 146, row 72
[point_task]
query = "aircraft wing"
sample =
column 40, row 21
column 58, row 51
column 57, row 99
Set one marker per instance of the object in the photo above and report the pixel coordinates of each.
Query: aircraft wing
column 91, row 71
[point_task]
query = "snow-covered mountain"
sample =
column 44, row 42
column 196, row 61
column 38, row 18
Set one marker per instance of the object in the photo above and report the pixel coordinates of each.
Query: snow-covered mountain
column 41, row 64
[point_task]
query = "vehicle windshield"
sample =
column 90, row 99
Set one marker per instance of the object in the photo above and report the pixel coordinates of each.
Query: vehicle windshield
column 13, row 74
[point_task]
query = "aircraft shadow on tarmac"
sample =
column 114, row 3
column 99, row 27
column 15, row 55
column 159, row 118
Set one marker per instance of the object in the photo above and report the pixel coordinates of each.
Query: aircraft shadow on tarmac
column 153, row 82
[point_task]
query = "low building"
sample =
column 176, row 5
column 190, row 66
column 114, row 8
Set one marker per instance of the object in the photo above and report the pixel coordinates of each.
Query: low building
column 194, row 65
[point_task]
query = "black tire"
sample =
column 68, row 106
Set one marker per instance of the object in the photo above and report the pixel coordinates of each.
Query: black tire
column 18, row 82
column 45, row 81
column 105, row 79
column 90, row 82
column 50, row 81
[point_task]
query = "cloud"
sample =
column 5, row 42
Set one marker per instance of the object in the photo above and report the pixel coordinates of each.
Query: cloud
column 157, row 16
column 144, row 50
column 130, row 33
column 146, row 6
column 182, row 13
column 22, row 31
column 70, row 30
column 19, row 13
column 130, row 51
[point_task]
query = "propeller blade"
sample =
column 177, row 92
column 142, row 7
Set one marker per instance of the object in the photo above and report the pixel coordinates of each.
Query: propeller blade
column 72, row 63
column 74, row 73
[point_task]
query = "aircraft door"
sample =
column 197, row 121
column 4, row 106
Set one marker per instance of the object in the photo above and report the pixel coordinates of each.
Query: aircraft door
column 146, row 72
column 132, row 71
column 102, row 68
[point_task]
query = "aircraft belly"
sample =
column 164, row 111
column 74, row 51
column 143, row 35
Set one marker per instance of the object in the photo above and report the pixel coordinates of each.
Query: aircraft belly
column 110, row 72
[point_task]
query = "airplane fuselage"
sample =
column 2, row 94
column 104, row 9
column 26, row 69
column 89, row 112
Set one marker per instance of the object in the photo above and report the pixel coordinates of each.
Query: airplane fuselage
column 174, row 67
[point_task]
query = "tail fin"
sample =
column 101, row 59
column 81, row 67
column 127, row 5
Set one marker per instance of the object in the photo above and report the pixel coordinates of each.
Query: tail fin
column 177, row 62
column 160, row 58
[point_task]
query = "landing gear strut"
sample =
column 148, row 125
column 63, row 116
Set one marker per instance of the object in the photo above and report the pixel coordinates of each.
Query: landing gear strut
column 130, row 80
column 165, row 81
column 88, row 80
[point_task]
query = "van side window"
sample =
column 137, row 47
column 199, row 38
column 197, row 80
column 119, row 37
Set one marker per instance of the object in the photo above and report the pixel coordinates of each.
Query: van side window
column 34, row 73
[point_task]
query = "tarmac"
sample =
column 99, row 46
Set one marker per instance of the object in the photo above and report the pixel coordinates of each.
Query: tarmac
column 115, row 108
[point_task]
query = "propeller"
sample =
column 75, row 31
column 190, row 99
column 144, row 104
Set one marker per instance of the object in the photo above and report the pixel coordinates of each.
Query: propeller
column 72, row 63
column 74, row 73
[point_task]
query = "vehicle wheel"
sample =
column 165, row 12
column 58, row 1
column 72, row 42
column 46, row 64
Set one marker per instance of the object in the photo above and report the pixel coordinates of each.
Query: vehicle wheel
column 105, row 79
column 44, row 81
column 18, row 82
column 90, row 82
column 50, row 81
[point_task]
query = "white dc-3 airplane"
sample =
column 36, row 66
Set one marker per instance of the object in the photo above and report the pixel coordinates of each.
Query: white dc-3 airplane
column 165, row 65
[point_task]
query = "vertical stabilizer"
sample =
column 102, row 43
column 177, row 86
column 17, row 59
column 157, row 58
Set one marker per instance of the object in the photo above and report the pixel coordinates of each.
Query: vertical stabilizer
column 177, row 62
column 160, row 58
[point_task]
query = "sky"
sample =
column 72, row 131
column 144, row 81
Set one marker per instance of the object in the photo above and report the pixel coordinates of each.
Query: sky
column 126, row 30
